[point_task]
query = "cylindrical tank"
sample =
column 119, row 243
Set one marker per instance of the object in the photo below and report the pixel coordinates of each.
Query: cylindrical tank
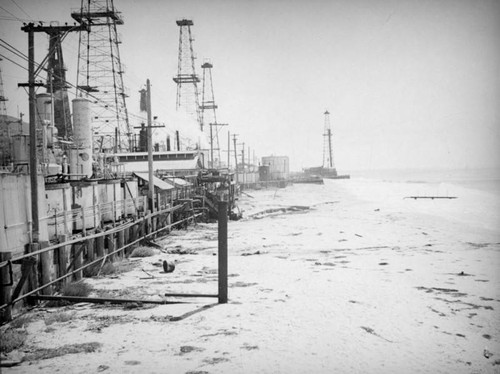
column 80, row 162
column 82, row 123
column 20, row 149
column 44, row 112
column 80, row 155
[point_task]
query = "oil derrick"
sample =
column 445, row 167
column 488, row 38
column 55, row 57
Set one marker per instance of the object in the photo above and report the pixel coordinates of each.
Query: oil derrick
column 4, row 124
column 186, row 78
column 208, row 113
column 100, row 74
column 327, row 143
column 57, row 86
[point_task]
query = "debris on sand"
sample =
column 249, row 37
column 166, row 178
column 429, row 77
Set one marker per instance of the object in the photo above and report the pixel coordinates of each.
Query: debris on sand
column 168, row 266
column 253, row 253
column 276, row 211
column 369, row 330
column 46, row 353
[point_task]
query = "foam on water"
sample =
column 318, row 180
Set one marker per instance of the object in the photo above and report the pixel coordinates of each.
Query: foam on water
column 486, row 179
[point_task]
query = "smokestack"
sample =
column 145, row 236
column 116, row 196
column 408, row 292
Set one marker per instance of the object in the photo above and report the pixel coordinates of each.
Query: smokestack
column 168, row 143
column 177, row 140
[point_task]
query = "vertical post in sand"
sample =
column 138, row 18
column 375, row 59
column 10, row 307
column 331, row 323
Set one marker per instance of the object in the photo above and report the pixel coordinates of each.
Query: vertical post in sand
column 63, row 259
column 46, row 261
column 5, row 291
column 222, row 231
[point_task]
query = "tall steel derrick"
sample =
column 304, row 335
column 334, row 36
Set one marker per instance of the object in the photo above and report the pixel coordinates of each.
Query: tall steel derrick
column 100, row 74
column 57, row 86
column 208, row 113
column 327, row 143
column 186, row 78
column 4, row 124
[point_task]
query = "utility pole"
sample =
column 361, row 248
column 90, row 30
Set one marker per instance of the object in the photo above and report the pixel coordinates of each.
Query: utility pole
column 235, row 157
column 243, row 161
column 212, row 141
column 151, row 187
column 30, row 28
column 35, row 227
column 228, row 150
column 151, row 190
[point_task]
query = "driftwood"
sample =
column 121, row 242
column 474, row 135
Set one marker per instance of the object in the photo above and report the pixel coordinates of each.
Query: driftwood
column 288, row 209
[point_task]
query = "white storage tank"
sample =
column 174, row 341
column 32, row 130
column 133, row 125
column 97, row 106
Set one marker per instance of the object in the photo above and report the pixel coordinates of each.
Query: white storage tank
column 80, row 163
column 80, row 157
column 82, row 123
column 44, row 113
column 20, row 149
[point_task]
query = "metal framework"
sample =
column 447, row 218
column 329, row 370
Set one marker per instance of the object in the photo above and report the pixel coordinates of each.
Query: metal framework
column 327, row 143
column 100, row 74
column 186, row 79
column 4, row 129
column 57, row 86
column 209, row 113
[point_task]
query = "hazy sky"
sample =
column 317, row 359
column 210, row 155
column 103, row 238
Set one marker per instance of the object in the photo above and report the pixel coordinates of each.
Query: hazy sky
column 408, row 83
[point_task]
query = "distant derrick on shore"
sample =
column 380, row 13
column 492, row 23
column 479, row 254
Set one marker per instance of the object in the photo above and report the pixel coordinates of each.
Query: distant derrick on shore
column 327, row 170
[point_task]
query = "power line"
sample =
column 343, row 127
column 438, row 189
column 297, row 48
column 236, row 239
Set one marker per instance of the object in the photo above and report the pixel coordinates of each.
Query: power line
column 23, row 67
column 14, row 50
column 13, row 15
column 22, row 10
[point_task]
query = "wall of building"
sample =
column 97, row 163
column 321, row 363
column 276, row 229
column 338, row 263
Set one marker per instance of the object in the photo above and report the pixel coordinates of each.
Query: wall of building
column 279, row 167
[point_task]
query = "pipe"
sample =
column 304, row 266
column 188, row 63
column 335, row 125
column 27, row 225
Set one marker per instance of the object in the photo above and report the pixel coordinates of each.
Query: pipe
column 101, row 300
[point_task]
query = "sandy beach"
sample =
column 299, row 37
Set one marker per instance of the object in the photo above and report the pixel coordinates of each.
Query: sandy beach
column 347, row 277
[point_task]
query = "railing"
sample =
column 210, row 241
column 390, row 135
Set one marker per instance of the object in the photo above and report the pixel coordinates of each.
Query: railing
column 98, row 246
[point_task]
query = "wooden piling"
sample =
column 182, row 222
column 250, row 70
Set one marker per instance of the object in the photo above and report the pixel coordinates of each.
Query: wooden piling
column 100, row 246
column 46, row 268
column 32, row 271
column 222, row 256
column 127, row 240
column 111, row 245
column 148, row 223
column 120, row 242
column 77, row 260
column 90, row 250
column 62, row 260
column 6, row 289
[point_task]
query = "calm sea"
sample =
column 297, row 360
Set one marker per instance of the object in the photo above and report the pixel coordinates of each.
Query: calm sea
column 480, row 179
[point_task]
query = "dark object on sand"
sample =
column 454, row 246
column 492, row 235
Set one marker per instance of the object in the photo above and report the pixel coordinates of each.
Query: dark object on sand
column 168, row 266
column 430, row 197
column 487, row 353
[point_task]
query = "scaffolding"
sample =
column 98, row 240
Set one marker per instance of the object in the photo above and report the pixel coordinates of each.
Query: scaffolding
column 100, row 74
column 186, row 78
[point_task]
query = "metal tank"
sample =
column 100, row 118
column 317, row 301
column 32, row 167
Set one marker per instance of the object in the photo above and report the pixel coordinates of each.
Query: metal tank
column 44, row 112
column 80, row 154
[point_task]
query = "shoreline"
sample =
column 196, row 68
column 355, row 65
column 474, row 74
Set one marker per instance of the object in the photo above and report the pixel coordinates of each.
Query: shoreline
column 352, row 284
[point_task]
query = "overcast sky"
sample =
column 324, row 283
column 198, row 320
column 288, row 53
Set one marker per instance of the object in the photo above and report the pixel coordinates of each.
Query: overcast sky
column 409, row 84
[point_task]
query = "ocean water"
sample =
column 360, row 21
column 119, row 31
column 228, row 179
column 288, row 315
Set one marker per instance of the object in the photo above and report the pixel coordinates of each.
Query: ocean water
column 486, row 180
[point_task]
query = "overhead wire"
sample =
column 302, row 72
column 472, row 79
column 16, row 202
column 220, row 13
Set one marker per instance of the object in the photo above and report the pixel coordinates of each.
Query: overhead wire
column 40, row 67
column 8, row 59
column 21, row 9
column 13, row 15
